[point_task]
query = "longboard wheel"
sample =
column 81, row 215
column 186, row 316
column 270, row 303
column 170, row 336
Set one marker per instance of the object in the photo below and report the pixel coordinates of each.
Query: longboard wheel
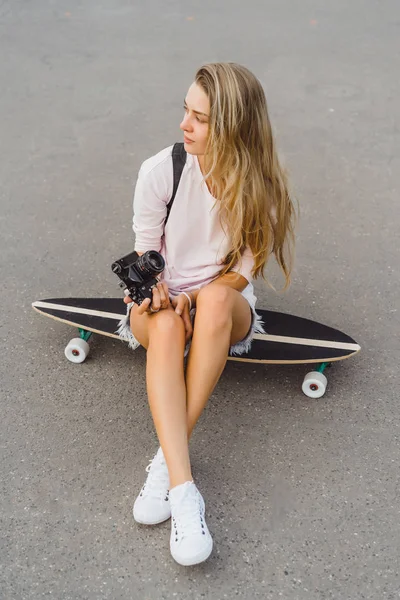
column 77, row 350
column 314, row 384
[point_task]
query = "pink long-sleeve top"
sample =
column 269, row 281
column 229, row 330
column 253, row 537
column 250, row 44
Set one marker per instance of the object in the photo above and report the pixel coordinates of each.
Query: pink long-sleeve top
column 192, row 242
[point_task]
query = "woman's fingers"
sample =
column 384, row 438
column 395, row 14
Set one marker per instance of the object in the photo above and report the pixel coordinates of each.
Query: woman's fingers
column 164, row 297
column 160, row 297
column 156, row 302
column 187, row 323
column 142, row 308
column 159, row 300
column 179, row 304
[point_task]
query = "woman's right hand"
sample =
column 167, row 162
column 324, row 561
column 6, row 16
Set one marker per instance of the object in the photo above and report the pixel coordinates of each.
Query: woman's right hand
column 181, row 305
column 159, row 302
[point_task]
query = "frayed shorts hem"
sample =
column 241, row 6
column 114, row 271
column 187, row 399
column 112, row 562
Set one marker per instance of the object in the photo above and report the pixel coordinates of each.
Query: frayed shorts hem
column 257, row 326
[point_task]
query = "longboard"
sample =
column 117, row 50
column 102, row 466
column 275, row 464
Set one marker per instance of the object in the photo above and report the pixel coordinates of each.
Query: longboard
column 288, row 339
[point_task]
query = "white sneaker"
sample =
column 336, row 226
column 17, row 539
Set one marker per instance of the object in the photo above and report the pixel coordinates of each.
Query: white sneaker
column 152, row 504
column 190, row 542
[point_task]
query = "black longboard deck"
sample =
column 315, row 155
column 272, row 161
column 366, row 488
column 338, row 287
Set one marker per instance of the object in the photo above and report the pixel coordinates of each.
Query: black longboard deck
column 288, row 339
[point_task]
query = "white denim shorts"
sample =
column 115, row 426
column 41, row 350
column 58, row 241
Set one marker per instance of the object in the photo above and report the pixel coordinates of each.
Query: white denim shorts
column 257, row 326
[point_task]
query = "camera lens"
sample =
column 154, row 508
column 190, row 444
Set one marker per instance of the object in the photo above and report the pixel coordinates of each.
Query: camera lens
column 151, row 263
column 156, row 261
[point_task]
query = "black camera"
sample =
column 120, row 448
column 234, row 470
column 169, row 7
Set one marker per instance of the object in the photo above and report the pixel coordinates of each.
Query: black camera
column 138, row 274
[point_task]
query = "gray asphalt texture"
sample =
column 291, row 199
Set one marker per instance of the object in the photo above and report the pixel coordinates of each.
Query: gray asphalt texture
column 302, row 495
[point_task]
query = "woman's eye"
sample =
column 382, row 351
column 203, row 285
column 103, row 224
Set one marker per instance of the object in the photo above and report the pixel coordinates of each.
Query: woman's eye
column 185, row 108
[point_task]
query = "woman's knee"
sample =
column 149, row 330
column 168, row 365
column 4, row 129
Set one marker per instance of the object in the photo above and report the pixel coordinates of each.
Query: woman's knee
column 166, row 325
column 214, row 306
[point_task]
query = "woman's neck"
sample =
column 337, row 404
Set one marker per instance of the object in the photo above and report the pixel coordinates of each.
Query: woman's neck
column 203, row 169
column 200, row 158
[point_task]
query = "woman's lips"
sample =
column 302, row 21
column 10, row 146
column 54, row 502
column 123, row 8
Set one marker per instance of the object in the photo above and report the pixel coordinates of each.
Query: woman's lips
column 186, row 140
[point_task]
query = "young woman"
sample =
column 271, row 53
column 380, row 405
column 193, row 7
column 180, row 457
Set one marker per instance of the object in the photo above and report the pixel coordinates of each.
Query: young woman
column 231, row 211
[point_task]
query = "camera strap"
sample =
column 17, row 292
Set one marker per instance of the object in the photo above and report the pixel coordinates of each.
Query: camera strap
column 178, row 162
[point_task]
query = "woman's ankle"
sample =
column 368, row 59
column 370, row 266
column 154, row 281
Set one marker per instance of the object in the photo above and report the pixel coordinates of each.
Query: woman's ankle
column 179, row 481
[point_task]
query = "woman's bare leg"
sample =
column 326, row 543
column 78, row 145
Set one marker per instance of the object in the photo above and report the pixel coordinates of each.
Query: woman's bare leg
column 163, row 335
column 223, row 318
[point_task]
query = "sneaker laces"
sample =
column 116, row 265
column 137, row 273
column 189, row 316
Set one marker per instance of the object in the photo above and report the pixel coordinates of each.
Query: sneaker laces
column 157, row 482
column 188, row 519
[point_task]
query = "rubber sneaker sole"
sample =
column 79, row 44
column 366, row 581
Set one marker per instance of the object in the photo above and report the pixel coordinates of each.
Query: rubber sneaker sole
column 143, row 522
column 194, row 560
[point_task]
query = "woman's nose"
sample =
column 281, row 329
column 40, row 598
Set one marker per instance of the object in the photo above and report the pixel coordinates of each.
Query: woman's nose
column 185, row 124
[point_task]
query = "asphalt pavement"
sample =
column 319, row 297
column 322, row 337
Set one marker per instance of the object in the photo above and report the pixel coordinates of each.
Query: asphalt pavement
column 302, row 495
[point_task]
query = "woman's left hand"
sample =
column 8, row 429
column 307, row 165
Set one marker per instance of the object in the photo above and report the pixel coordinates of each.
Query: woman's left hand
column 181, row 305
column 160, row 300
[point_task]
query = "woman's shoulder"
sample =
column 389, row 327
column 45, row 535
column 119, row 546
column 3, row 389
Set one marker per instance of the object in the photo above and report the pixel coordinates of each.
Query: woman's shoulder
column 160, row 163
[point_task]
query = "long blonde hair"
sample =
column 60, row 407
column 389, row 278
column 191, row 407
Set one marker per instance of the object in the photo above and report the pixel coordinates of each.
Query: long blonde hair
column 243, row 169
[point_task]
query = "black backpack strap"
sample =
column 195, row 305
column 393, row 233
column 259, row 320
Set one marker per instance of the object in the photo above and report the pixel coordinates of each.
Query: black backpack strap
column 178, row 162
